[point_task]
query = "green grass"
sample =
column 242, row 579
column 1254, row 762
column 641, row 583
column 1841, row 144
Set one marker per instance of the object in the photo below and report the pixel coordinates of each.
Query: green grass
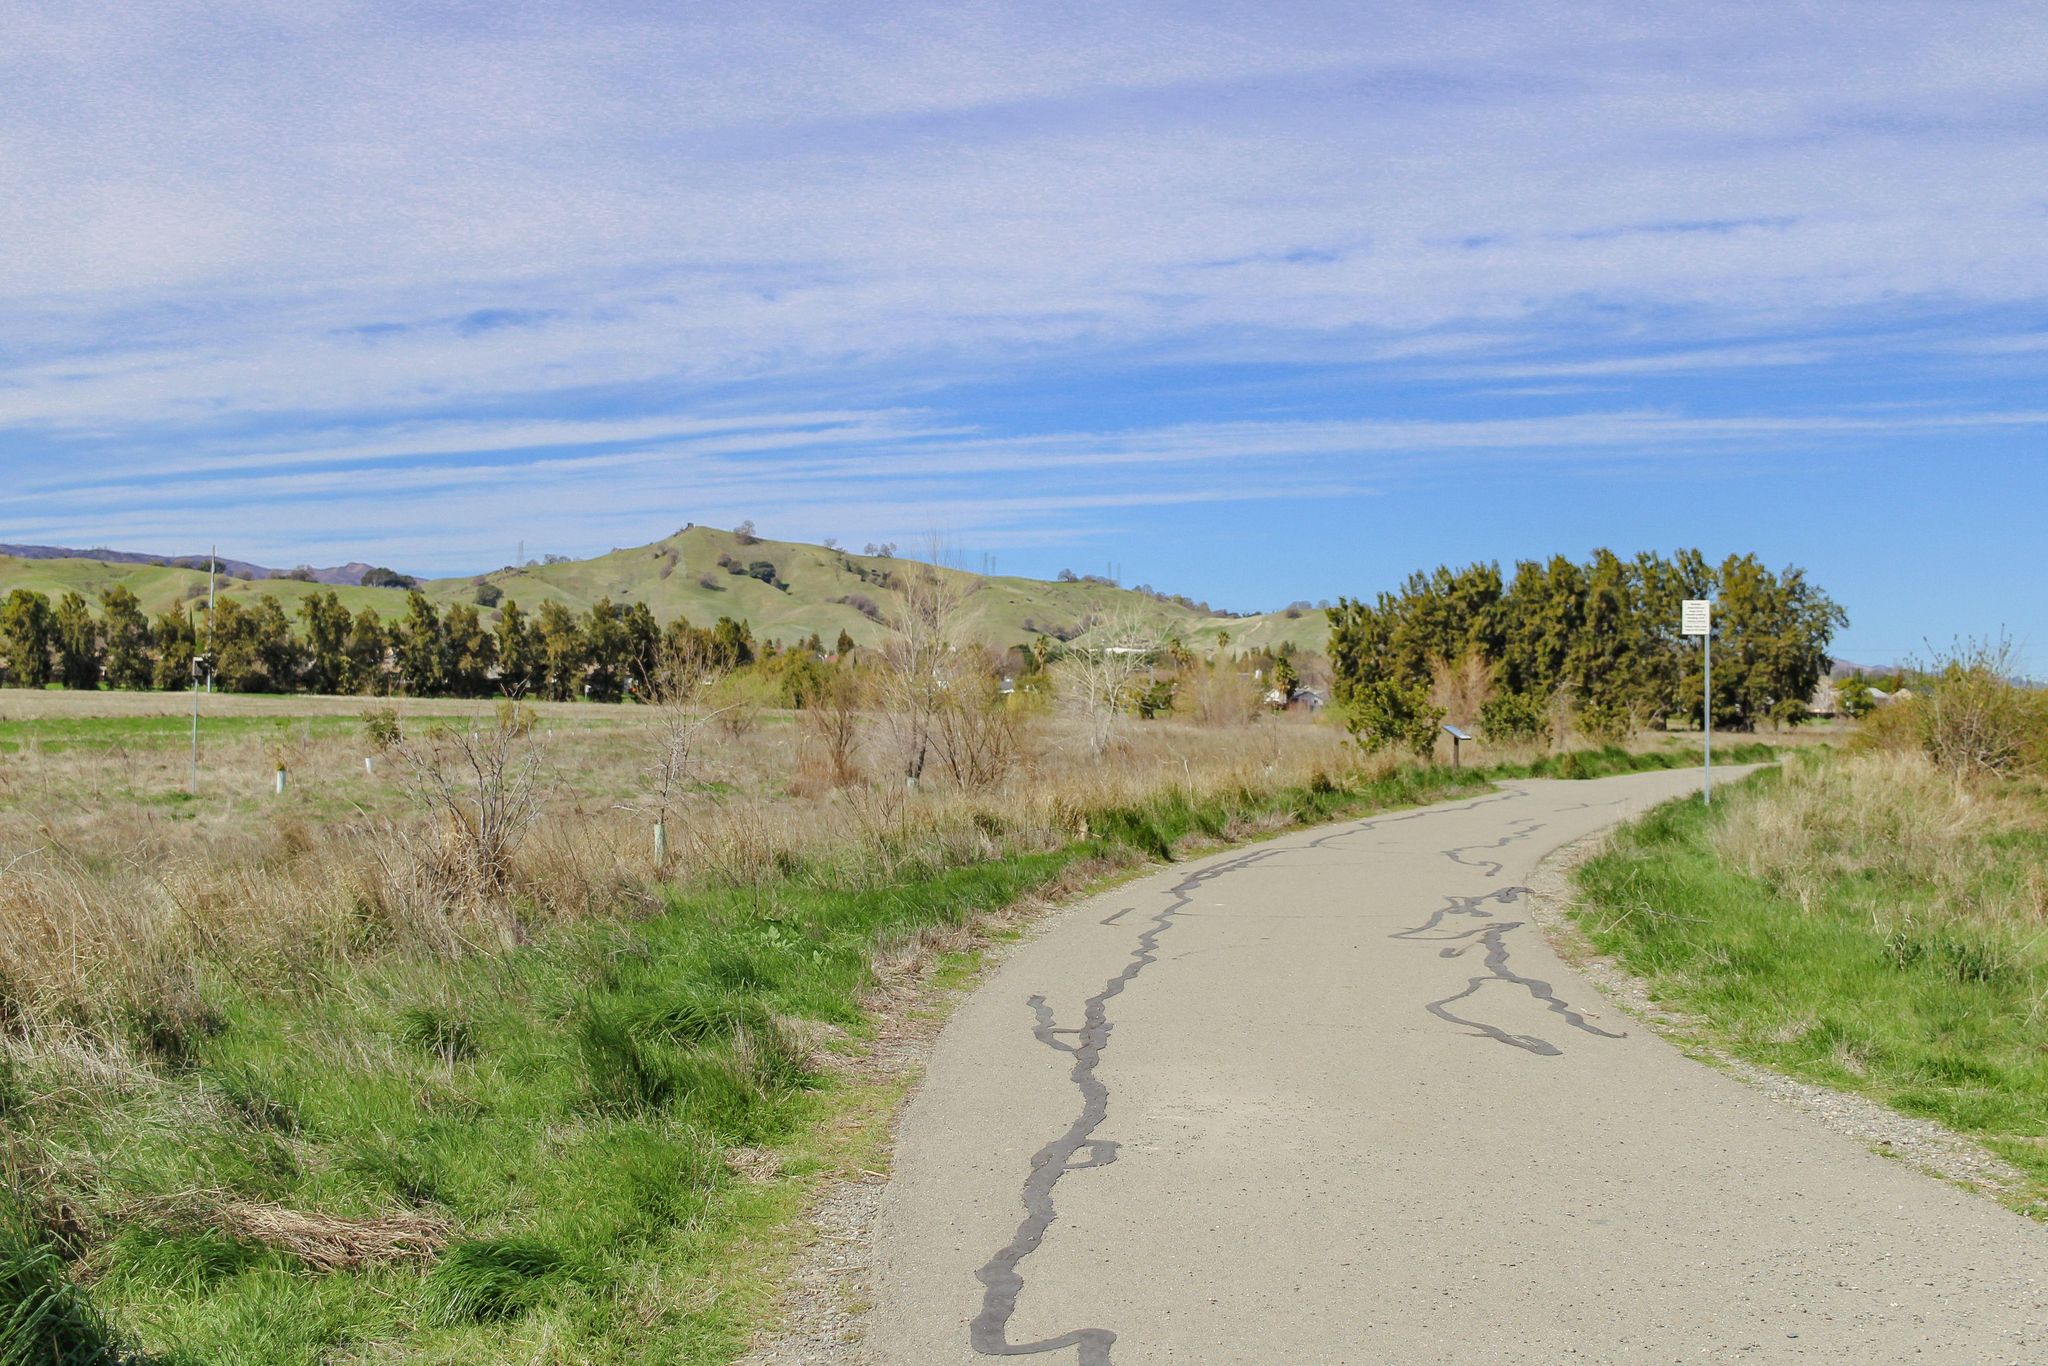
column 1613, row 759
column 1869, row 987
column 567, row 1110
column 44, row 1318
column 54, row 734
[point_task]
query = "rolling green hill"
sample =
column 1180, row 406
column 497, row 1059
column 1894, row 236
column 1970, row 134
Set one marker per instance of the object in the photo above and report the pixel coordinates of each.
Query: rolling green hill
column 822, row 590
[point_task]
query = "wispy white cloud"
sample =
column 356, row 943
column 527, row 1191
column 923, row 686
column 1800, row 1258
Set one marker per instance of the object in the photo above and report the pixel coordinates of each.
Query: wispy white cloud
column 556, row 267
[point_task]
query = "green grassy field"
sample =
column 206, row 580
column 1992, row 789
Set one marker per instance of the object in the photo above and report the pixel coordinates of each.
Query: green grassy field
column 1876, row 930
column 669, row 575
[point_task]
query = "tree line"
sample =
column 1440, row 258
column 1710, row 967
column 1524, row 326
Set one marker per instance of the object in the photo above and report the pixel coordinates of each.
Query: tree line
column 601, row 654
column 1592, row 646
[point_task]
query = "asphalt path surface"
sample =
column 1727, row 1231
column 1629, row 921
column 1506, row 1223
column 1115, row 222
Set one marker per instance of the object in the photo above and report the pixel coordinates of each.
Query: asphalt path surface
column 1331, row 1098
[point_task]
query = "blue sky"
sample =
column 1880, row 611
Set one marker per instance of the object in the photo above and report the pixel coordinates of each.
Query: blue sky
column 1258, row 302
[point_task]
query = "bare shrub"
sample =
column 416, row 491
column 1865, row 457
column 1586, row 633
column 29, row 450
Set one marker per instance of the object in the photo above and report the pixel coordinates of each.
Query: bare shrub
column 736, row 702
column 938, row 692
column 978, row 739
column 916, row 668
column 1462, row 687
column 1976, row 719
column 830, row 726
column 481, row 784
column 1213, row 693
column 1100, row 681
column 1967, row 714
column 680, row 682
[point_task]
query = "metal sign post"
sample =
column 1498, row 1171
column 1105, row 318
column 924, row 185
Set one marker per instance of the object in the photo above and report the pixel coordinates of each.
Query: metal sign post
column 1696, row 618
column 1458, row 737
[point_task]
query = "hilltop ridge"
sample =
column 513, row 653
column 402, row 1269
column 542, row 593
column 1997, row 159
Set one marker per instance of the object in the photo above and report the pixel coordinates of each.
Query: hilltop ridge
column 784, row 590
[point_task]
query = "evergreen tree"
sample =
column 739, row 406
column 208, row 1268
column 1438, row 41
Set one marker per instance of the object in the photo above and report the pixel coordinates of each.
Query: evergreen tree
column 326, row 641
column 127, row 636
column 607, row 646
column 518, row 652
column 1545, row 606
column 228, row 635
column 643, row 641
column 76, row 637
column 471, row 653
column 561, row 652
column 1603, row 635
column 277, row 649
column 175, row 646
column 363, row 655
column 732, row 644
column 25, row 637
column 421, row 648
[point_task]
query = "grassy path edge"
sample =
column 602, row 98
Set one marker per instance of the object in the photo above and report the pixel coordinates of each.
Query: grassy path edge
column 1557, row 902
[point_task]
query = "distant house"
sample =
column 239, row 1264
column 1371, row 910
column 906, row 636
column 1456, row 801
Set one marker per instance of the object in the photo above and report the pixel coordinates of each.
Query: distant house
column 1301, row 699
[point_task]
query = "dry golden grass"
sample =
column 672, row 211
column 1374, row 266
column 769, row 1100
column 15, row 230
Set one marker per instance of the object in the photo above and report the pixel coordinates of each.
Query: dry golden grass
column 114, row 884
column 323, row 1243
column 1895, row 814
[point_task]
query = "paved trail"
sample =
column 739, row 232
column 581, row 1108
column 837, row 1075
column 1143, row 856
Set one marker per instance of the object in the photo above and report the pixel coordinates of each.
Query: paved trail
column 1331, row 1100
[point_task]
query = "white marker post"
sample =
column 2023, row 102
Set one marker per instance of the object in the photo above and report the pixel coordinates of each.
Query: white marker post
column 1696, row 618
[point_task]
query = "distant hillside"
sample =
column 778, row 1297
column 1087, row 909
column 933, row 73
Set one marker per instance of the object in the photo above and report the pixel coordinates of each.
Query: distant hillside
column 242, row 569
column 802, row 589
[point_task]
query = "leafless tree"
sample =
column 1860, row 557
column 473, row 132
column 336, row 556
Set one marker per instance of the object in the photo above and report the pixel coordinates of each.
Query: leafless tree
column 937, row 690
column 680, row 685
column 1100, row 680
column 484, row 783
column 915, row 671
column 830, row 723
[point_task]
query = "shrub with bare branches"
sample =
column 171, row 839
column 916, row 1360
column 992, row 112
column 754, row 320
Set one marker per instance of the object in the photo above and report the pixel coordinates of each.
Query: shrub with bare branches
column 938, row 691
column 1100, row 680
column 915, row 667
column 482, row 784
column 830, row 726
column 1461, row 688
column 978, row 739
column 680, row 684
column 1216, row 692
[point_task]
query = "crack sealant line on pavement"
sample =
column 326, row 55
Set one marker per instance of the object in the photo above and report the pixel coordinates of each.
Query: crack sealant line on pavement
column 1457, row 855
column 1001, row 1278
column 1494, row 936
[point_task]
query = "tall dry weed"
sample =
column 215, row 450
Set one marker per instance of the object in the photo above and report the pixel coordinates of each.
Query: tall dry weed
column 1896, row 814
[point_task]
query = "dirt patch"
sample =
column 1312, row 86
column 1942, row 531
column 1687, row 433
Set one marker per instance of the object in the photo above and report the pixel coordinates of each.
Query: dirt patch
column 1920, row 1143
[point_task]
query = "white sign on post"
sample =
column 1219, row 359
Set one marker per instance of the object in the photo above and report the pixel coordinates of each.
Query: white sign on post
column 1696, row 619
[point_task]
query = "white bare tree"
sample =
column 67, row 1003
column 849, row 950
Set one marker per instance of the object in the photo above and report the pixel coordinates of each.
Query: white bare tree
column 937, row 689
column 1099, row 679
column 680, row 683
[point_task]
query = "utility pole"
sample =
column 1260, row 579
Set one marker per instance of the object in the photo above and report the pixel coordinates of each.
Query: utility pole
column 212, row 564
column 202, row 663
